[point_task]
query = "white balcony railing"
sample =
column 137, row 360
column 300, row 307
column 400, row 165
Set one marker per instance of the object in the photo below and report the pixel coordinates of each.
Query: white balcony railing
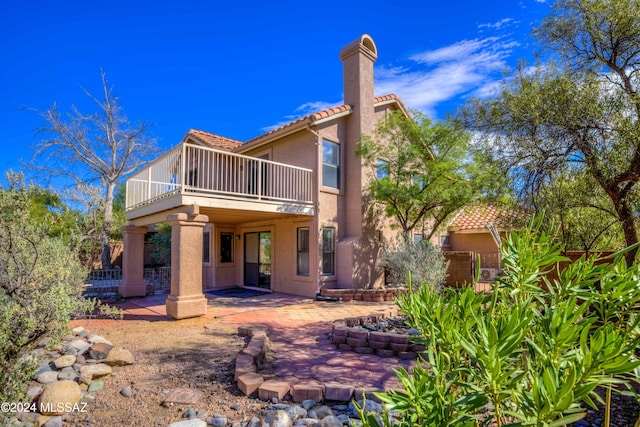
column 208, row 172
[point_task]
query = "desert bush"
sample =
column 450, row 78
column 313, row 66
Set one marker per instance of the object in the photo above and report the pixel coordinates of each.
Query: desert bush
column 40, row 287
column 423, row 260
column 530, row 354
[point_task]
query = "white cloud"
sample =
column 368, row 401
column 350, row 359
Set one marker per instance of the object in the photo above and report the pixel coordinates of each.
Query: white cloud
column 311, row 107
column 498, row 25
column 427, row 79
column 467, row 67
column 301, row 111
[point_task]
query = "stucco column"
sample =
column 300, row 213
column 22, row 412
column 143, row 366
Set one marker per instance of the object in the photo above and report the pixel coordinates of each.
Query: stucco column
column 132, row 284
column 186, row 298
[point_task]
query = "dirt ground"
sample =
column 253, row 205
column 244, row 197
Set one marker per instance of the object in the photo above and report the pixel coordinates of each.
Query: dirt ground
column 188, row 354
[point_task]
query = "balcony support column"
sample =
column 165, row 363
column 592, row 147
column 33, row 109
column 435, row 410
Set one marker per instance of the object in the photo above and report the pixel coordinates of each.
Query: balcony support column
column 186, row 298
column 132, row 284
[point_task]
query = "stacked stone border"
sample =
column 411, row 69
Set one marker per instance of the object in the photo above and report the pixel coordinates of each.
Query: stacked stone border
column 366, row 295
column 268, row 387
column 383, row 344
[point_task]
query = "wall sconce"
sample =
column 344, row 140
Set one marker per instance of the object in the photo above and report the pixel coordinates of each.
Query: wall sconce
column 238, row 236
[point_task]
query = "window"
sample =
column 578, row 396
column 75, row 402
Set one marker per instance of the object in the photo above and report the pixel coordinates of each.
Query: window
column 417, row 238
column 206, row 245
column 226, row 247
column 382, row 169
column 303, row 251
column 330, row 164
column 328, row 251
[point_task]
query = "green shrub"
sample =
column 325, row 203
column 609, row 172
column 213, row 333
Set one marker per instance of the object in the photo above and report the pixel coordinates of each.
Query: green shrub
column 530, row 354
column 40, row 288
column 161, row 244
column 424, row 261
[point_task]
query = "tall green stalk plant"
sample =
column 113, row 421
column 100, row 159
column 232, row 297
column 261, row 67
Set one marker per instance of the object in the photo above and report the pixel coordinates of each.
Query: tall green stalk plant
column 532, row 353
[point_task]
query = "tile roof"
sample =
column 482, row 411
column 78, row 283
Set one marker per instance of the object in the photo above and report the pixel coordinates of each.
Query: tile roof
column 390, row 97
column 221, row 142
column 310, row 118
column 212, row 140
column 476, row 216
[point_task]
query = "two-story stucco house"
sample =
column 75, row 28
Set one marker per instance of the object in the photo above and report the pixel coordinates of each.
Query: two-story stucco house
column 284, row 211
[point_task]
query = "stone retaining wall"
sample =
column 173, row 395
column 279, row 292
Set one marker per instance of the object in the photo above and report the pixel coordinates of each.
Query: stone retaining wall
column 366, row 295
column 383, row 344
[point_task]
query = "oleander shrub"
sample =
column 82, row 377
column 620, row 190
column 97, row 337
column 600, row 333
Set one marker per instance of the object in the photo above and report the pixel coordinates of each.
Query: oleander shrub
column 532, row 353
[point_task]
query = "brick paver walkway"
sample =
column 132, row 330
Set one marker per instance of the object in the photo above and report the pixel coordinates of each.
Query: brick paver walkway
column 298, row 329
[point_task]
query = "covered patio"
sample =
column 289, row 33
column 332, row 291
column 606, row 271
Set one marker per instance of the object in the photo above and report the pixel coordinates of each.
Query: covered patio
column 190, row 187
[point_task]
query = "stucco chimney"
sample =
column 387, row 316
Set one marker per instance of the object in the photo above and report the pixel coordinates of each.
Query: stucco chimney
column 357, row 58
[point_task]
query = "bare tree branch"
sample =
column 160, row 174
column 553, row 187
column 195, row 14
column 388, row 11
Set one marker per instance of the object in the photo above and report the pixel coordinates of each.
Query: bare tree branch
column 102, row 146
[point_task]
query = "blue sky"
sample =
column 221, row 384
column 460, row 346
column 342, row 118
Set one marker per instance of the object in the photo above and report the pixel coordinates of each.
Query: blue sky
column 239, row 68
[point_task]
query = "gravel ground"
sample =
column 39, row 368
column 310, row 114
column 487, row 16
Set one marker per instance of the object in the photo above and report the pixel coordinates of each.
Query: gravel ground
column 186, row 354
column 200, row 355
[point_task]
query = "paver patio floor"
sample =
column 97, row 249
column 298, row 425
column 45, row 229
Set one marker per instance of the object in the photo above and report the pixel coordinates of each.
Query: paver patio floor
column 298, row 329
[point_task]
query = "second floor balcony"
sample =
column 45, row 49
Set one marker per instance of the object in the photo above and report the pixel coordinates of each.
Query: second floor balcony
column 217, row 179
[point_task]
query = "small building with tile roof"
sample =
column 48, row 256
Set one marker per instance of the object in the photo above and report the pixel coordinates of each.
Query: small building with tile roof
column 469, row 231
column 282, row 212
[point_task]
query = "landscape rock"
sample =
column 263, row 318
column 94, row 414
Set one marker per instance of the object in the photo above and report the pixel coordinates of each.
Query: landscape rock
column 306, row 422
column 92, row 372
column 323, row 411
column 278, row 418
column 308, row 404
column 64, row 361
column 80, row 346
column 67, row 373
column 126, row 391
column 47, row 377
column 34, row 392
column 98, row 339
column 95, row 386
column 189, row 413
column 330, row 421
column 46, row 367
column 99, row 350
column 343, row 418
column 77, row 330
column 119, row 356
column 294, row 412
column 218, row 421
column 58, row 396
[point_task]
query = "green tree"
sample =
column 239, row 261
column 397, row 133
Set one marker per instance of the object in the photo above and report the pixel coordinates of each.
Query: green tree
column 119, row 205
column 583, row 118
column 47, row 206
column 100, row 147
column 579, row 213
column 423, row 172
column 40, row 283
